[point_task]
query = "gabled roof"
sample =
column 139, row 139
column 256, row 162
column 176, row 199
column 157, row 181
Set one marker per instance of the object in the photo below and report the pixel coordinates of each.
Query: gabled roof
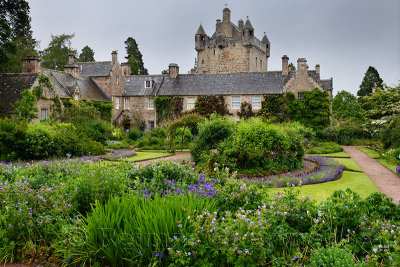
column 11, row 86
column 64, row 84
column 135, row 85
column 95, row 68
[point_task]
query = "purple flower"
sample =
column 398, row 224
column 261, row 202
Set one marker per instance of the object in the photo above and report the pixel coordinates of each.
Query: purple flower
column 398, row 170
column 375, row 250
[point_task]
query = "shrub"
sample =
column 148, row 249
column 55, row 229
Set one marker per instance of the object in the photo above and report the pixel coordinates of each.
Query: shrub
column 99, row 131
column 12, row 139
column 117, row 144
column 135, row 133
column 40, row 142
column 211, row 133
column 183, row 137
column 390, row 135
column 259, row 146
column 333, row 256
column 324, row 148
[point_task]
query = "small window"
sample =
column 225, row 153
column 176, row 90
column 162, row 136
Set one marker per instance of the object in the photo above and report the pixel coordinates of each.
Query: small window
column 300, row 95
column 127, row 103
column 151, row 103
column 150, row 125
column 235, row 102
column 76, row 97
column 147, row 84
column 190, row 102
column 256, row 102
column 261, row 63
column 43, row 114
column 117, row 103
column 117, row 80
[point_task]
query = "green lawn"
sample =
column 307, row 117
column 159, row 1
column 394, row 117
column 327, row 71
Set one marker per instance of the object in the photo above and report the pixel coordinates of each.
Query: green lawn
column 333, row 155
column 146, row 155
column 356, row 181
column 371, row 153
column 391, row 166
column 350, row 164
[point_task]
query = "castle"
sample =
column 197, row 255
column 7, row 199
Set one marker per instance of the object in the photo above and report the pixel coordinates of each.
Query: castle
column 232, row 63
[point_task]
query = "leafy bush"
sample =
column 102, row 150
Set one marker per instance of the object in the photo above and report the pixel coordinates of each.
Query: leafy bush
column 333, row 256
column 130, row 229
column 392, row 155
column 211, row 133
column 262, row 147
column 12, row 139
column 117, row 144
column 153, row 140
column 183, row 137
column 97, row 130
column 40, row 142
column 135, row 133
column 390, row 135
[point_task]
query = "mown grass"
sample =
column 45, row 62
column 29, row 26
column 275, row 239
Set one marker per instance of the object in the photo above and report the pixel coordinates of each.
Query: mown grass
column 371, row 153
column 333, row 155
column 350, row 164
column 146, row 155
column 356, row 181
column 391, row 166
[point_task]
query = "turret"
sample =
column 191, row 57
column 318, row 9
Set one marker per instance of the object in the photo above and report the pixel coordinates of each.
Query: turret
column 200, row 38
column 226, row 16
column 248, row 29
column 267, row 44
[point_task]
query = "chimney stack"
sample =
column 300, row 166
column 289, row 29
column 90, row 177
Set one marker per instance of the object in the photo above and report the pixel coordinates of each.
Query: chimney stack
column 31, row 64
column 226, row 18
column 318, row 69
column 217, row 24
column 285, row 65
column 114, row 56
column 71, row 59
column 240, row 24
column 173, row 70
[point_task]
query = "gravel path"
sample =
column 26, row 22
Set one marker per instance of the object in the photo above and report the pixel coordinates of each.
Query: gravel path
column 386, row 181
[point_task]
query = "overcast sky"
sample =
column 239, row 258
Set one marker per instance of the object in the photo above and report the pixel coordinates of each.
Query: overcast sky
column 343, row 36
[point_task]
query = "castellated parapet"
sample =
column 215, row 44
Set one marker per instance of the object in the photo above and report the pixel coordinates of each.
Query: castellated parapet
column 232, row 48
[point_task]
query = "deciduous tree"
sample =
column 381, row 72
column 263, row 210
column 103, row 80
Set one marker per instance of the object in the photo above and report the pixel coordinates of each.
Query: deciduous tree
column 345, row 105
column 55, row 56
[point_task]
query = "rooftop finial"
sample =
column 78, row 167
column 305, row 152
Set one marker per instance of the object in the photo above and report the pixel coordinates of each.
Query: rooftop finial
column 226, row 5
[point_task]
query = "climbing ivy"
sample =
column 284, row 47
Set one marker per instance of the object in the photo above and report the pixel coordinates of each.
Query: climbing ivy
column 104, row 108
column 168, row 108
column 246, row 111
column 209, row 104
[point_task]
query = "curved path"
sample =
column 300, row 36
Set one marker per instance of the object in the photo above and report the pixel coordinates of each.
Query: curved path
column 386, row 181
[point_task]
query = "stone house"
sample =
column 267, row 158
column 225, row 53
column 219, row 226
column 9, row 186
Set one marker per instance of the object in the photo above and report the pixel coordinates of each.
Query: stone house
column 232, row 63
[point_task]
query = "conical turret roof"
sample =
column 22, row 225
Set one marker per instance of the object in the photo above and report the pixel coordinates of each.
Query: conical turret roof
column 265, row 39
column 201, row 31
column 248, row 25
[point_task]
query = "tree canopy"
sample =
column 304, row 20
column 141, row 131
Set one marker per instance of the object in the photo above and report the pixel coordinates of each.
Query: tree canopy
column 16, row 39
column 132, row 49
column 24, row 108
column 87, row 55
column 55, row 56
column 346, row 105
column 370, row 81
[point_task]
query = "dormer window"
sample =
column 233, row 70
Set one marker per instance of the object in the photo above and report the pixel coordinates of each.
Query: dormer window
column 147, row 84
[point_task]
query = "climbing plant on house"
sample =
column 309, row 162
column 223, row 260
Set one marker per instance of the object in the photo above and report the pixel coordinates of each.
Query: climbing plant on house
column 168, row 108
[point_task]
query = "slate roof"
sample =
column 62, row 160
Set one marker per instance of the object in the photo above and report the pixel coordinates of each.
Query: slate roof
column 94, row 68
column 257, row 83
column 65, row 85
column 11, row 86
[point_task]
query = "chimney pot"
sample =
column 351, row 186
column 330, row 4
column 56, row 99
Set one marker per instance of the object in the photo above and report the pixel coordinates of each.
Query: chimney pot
column 71, row 59
column 318, row 69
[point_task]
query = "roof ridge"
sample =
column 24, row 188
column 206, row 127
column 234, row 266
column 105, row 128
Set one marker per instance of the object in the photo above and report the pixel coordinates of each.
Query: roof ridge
column 109, row 61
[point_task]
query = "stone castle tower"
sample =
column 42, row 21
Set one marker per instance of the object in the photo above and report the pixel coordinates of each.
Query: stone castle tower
column 231, row 48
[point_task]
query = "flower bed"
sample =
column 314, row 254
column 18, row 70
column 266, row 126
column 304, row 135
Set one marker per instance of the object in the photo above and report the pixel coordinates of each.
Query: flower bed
column 326, row 170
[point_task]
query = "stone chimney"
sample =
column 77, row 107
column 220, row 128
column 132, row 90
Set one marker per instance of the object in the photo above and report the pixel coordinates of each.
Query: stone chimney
column 318, row 69
column 114, row 56
column 31, row 64
column 240, row 24
column 285, row 65
column 71, row 59
column 173, row 70
column 217, row 24
column 226, row 18
column 302, row 66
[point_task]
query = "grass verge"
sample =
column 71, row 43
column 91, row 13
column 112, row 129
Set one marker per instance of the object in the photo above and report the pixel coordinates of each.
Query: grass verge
column 391, row 166
column 333, row 155
column 350, row 164
column 356, row 181
column 371, row 153
column 146, row 155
